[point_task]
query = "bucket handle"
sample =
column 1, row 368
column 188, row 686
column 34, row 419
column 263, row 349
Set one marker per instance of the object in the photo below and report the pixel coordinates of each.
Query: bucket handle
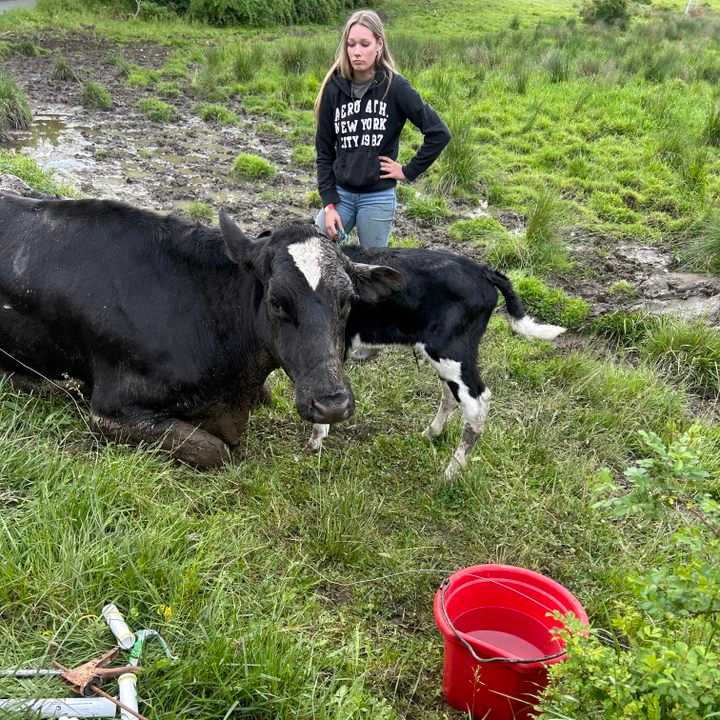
column 469, row 647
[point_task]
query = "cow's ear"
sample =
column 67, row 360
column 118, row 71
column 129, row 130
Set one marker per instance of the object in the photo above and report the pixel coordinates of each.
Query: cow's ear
column 375, row 282
column 237, row 244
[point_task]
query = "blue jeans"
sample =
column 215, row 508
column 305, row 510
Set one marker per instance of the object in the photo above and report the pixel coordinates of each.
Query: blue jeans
column 371, row 214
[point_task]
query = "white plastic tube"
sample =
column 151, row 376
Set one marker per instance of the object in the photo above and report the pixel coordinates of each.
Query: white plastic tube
column 127, row 694
column 63, row 707
column 118, row 626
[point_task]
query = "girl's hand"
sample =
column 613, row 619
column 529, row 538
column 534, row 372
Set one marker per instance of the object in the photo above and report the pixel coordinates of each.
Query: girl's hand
column 333, row 223
column 390, row 169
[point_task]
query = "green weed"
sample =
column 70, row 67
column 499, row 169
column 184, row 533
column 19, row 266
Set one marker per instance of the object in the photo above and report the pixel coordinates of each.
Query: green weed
column 304, row 156
column 199, row 211
column 156, row 109
column 459, row 164
column 247, row 61
column 142, row 77
column 252, row 167
column 711, row 132
column 430, row 209
column 219, row 114
column 700, row 249
column 549, row 304
column 63, row 71
column 15, row 113
column 168, row 89
column 96, row 96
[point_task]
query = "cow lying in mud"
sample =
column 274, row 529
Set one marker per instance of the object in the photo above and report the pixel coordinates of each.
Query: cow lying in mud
column 173, row 327
column 442, row 312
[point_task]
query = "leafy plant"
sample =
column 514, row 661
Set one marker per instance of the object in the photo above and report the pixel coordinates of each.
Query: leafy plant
column 612, row 12
column 671, row 473
column 661, row 659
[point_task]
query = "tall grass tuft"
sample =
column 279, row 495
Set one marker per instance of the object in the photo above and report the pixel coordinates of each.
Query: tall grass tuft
column 64, row 71
column 687, row 351
column 711, row 133
column 338, row 531
column 459, row 164
column 701, row 248
column 413, row 53
column 519, row 75
column 96, row 96
column 694, row 172
column 212, row 72
column 675, row 147
column 558, row 65
column 293, row 56
column 15, row 113
column 662, row 65
column 543, row 228
column 246, row 61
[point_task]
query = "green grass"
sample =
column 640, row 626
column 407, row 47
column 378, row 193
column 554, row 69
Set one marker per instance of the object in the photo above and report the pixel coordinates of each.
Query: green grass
column 25, row 168
column 15, row 112
column 304, row 156
column 549, row 304
column 251, row 167
column 64, row 71
column 199, row 211
column 96, row 96
column 157, row 109
column 219, row 114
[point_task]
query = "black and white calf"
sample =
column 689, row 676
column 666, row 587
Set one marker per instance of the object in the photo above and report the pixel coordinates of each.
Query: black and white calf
column 442, row 312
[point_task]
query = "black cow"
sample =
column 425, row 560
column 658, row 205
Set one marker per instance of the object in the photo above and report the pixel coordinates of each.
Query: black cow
column 173, row 326
column 442, row 312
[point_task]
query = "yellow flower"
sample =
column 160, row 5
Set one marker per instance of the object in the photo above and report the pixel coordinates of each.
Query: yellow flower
column 165, row 612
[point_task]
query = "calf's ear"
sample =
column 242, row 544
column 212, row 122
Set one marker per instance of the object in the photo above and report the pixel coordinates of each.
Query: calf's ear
column 237, row 244
column 375, row 282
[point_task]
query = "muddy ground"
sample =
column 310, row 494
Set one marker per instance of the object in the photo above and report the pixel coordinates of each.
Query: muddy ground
column 121, row 154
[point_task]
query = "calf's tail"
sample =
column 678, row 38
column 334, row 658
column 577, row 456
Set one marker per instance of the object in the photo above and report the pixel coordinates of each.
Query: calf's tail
column 520, row 321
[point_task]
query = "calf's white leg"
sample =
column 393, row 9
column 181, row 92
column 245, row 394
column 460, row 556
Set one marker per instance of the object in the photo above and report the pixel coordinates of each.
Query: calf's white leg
column 475, row 412
column 448, row 405
column 319, row 433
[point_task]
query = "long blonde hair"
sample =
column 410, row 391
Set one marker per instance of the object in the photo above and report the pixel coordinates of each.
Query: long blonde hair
column 370, row 20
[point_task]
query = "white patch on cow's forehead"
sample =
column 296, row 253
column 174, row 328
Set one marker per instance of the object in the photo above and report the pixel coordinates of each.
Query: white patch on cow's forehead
column 309, row 258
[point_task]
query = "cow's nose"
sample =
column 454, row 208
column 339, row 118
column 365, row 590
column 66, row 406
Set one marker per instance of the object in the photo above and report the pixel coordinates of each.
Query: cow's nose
column 333, row 408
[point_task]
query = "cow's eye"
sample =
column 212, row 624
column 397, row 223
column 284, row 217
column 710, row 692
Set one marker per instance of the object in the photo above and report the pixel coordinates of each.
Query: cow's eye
column 278, row 308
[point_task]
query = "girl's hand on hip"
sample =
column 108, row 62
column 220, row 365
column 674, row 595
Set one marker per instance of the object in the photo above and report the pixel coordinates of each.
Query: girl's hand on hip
column 333, row 223
column 390, row 169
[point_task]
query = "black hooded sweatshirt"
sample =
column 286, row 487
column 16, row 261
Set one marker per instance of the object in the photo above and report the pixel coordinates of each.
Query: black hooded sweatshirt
column 351, row 134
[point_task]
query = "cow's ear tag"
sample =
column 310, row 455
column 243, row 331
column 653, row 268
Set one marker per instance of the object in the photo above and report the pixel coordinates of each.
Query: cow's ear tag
column 236, row 243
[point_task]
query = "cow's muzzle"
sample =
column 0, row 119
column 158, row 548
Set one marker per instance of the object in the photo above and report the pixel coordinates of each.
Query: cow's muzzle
column 331, row 408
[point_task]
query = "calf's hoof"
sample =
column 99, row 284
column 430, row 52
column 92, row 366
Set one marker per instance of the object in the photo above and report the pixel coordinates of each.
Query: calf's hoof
column 454, row 468
column 313, row 446
column 429, row 434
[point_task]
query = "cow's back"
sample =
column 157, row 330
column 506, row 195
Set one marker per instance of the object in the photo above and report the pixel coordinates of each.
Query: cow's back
column 88, row 281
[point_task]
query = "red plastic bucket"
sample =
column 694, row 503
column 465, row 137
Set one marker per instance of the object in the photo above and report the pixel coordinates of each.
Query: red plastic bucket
column 496, row 626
